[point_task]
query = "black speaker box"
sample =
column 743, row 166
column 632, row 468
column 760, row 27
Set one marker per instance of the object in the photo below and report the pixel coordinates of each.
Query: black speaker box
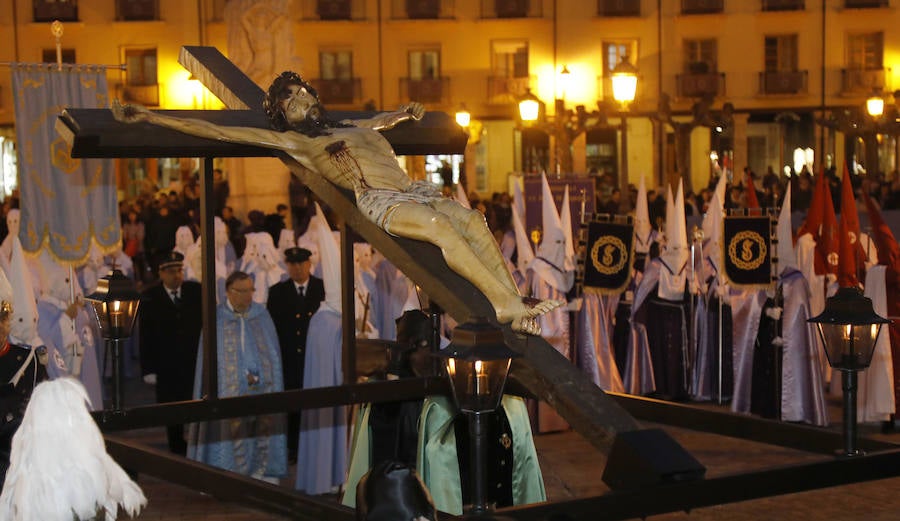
column 648, row 457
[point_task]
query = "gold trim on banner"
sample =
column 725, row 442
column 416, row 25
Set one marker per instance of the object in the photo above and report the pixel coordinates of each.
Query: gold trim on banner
column 43, row 244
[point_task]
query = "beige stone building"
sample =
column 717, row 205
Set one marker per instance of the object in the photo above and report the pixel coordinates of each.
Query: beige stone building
column 795, row 72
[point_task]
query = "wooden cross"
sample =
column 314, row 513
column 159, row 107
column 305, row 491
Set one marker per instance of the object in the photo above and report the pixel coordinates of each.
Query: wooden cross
column 542, row 370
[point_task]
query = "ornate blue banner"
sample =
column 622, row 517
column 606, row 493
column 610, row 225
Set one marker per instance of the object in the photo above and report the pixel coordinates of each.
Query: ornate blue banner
column 66, row 203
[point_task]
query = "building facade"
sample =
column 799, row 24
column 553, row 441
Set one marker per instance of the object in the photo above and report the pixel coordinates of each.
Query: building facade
column 738, row 82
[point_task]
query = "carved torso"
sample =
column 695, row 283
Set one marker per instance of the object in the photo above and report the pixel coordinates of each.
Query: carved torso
column 357, row 159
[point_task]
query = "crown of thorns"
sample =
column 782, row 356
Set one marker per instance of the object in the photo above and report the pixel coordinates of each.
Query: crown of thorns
column 278, row 92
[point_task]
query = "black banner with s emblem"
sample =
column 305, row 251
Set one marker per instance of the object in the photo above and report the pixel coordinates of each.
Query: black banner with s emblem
column 748, row 250
column 609, row 254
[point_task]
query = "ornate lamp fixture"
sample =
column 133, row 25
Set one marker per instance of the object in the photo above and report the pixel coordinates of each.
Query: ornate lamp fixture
column 849, row 328
column 529, row 107
column 624, row 81
column 115, row 304
column 477, row 362
column 875, row 104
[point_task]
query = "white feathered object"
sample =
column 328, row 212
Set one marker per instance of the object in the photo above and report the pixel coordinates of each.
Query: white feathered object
column 59, row 467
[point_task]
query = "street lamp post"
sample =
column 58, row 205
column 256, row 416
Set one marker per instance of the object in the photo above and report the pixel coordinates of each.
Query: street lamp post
column 849, row 328
column 115, row 304
column 477, row 362
column 624, row 84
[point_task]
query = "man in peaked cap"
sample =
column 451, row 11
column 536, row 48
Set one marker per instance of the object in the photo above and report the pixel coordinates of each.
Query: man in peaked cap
column 292, row 303
column 170, row 324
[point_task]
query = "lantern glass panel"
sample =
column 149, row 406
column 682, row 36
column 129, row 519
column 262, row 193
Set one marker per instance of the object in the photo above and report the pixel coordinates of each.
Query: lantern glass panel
column 529, row 109
column 478, row 384
column 849, row 347
column 624, row 87
column 115, row 318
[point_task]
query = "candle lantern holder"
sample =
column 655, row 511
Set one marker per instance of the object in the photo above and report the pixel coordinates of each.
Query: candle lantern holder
column 849, row 328
column 477, row 362
column 115, row 305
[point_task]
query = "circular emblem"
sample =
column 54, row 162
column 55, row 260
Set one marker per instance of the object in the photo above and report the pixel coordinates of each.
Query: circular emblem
column 747, row 250
column 608, row 255
column 832, row 258
column 852, row 236
column 536, row 236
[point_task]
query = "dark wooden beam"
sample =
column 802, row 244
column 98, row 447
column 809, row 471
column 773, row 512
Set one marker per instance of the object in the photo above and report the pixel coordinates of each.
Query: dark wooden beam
column 224, row 485
column 255, row 404
column 687, row 496
column 95, row 133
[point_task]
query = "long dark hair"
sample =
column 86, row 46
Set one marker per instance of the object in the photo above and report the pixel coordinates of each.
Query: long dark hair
column 278, row 92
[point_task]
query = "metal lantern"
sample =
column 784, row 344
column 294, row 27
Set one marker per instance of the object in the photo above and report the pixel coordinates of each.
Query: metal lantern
column 849, row 327
column 115, row 303
column 875, row 104
column 477, row 362
column 624, row 81
column 463, row 116
column 529, row 107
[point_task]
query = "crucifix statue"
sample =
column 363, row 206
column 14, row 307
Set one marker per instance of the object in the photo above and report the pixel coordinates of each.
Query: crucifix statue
column 351, row 159
column 355, row 156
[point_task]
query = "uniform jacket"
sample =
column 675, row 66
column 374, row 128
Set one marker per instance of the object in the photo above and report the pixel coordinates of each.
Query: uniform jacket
column 169, row 339
column 291, row 315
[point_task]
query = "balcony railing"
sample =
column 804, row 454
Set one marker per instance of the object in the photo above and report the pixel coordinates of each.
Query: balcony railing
column 862, row 81
column 421, row 9
column 144, row 94
column 511, row 8
column 783, row 5
column 783, row 82
column 428, row 90
column 701, row 6
column 863, row 4
column 137, row 10
column 618, row 8
column 47, row 11
column 691, row 85
column 338, row 92
column 329, row 10
column 503, row 89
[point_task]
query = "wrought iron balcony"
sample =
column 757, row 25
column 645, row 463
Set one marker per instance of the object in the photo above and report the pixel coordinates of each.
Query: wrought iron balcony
column 421, row 9
column 618, row 8
column 697, row 85
column 702, row 6
column 137, row 10
column 783, row 82
column 50, row 10
column 510, row 8
column 425, row 90
column 862, row 81
column 783, row 5
column 338, row 92
column 333, row 9
column 863, row 4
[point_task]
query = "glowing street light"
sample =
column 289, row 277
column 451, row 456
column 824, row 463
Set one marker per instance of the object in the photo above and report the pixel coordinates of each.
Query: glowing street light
column 624, row 81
